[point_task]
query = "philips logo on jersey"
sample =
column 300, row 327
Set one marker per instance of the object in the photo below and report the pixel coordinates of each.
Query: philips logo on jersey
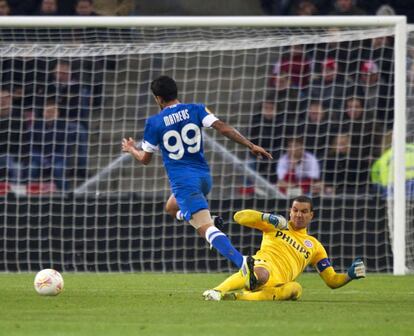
column 176, row 117
column 293, row 243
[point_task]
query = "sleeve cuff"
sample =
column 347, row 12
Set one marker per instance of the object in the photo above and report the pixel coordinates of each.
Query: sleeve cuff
column 149, row 148
column 209, row 120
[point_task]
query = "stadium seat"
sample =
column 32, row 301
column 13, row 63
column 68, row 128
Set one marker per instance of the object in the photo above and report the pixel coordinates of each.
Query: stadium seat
column 4, row 188
column 246, row 191
column 39, row 188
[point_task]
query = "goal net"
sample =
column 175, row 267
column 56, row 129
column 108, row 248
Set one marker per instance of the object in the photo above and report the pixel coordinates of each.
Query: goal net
column 72, row 201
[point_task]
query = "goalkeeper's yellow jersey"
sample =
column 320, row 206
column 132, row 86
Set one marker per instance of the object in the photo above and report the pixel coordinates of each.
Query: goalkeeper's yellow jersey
column 287, row 251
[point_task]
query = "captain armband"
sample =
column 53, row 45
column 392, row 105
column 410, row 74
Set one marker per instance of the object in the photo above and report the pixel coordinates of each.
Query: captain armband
column 323, row 264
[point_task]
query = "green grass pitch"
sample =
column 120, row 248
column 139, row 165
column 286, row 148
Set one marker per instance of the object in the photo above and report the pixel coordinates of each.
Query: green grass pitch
column 171, row 304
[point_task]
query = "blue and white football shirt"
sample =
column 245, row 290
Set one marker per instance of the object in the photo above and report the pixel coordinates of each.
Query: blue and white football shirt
column 176, row 131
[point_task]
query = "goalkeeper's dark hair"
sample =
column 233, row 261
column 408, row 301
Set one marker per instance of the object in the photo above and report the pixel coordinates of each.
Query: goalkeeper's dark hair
column 164, row 87
column 304, row 199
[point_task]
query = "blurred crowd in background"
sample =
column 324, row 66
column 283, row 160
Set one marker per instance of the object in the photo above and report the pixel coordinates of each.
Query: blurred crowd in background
column 337, row 98
column 213, row 7
column 327, row 117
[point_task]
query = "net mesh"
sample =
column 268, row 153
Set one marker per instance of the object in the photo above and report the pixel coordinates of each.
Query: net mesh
column 74, row 202
column 409, row 159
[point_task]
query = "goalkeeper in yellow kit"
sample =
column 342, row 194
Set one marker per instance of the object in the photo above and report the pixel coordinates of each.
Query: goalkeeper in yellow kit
column 285, row 252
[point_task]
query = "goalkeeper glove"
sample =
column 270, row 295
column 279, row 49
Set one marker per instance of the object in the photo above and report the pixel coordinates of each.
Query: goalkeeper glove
column 357, row 269
column 278, row 221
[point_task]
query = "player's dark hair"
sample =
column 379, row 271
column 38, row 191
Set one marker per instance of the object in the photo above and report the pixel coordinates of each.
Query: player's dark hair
column 164, row 87
column 304, row 199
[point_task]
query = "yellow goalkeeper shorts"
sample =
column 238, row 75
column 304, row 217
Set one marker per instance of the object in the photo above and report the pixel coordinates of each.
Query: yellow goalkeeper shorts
column 275, row 279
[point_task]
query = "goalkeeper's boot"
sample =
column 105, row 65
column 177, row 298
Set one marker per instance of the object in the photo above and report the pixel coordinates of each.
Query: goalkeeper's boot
column 247, row 271
column 212, row 295
column 218, row 222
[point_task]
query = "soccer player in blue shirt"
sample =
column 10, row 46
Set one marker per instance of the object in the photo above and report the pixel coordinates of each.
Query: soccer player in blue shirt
column 176, row 131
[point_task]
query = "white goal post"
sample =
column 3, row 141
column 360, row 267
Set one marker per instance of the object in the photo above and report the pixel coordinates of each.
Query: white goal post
column 397, row 25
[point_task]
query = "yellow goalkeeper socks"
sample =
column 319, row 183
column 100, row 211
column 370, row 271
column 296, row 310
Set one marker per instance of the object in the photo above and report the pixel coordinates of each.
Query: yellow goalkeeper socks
column 233, row 282
column 265, row 294
column 289, row 291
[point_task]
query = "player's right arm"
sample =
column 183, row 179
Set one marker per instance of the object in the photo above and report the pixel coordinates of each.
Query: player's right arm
column 262, row 221
column 129, row 146
column 149, row 144
column 233, row 134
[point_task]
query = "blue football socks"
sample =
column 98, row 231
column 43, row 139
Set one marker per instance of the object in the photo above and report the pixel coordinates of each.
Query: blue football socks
column 223, row 245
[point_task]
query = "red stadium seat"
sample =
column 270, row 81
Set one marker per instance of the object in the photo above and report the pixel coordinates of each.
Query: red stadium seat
column 39, row 188
column 247, row 191
column 4, row 188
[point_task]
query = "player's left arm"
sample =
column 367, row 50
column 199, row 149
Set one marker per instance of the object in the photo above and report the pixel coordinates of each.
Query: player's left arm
column 335, row 280
column 233, row 134
column 129, row 146
column 328, row 273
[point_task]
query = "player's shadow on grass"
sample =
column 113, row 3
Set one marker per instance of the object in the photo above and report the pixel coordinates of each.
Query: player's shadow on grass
column 356, row 301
